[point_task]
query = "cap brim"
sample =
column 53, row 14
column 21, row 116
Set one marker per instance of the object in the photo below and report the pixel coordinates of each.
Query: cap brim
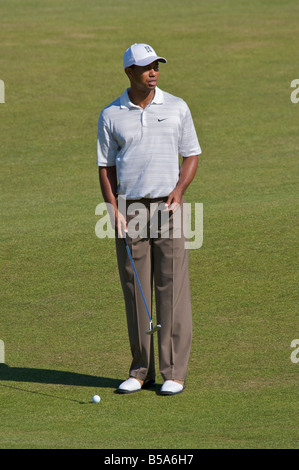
column 150, row 60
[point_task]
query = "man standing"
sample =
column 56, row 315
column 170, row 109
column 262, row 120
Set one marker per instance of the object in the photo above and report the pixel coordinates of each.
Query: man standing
column 140, row 136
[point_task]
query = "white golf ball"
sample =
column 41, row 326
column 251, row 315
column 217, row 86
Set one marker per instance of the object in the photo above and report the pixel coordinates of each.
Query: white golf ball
column 96, row 399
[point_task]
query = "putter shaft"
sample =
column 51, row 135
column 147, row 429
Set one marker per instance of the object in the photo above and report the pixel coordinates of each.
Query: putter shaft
column 157, row 327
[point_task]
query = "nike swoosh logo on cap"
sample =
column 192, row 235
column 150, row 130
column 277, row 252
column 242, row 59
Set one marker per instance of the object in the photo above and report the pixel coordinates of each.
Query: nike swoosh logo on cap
column 159, row 120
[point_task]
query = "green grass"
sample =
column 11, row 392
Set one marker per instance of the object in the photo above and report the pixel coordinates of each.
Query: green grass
column 62, row 313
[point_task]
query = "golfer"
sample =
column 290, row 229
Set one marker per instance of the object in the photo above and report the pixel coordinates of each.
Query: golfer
column 140, row 137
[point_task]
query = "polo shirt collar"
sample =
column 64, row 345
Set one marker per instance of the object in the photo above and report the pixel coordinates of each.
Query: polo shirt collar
column 126, row 103
column 159, row 97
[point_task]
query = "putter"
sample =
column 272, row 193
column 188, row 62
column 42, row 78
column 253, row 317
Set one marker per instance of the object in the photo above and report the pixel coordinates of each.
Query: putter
column 152, row 328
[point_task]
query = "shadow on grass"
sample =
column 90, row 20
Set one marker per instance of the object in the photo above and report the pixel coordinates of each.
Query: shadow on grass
column 47, row 376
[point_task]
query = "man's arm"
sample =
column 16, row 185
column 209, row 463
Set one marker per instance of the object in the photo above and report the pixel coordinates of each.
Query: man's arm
column 108, row 182
column 187, row 172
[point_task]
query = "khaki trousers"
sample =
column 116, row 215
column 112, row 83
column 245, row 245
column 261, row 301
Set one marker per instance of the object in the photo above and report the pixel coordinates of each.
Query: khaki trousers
column 163, row 270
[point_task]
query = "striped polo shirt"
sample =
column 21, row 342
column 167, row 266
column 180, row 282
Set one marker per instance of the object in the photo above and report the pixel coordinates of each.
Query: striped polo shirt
column 144, row 144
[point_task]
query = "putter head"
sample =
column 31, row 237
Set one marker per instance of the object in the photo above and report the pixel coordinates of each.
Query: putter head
column 153, row 329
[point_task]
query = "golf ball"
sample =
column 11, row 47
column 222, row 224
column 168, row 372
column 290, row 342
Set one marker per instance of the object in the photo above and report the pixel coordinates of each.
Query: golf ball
column 96, row 399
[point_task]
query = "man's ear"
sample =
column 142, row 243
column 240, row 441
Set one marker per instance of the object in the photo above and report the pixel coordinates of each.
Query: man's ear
column 128, row 72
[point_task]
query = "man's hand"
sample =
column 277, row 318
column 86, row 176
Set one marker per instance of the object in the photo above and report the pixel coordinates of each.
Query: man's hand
column 174, row 200
column 120, row 224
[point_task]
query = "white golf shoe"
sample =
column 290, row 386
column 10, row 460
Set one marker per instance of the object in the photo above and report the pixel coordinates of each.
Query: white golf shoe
column 130, row 385
column 170, row 387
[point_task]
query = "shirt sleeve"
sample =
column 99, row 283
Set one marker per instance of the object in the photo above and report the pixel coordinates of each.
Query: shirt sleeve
column 107, row 147
column 188, row 142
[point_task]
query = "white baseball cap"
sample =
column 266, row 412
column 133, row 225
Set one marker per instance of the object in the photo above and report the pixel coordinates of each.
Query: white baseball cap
column 141, row 55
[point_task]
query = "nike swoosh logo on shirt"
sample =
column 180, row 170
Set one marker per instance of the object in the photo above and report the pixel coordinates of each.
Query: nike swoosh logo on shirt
column 159, row 120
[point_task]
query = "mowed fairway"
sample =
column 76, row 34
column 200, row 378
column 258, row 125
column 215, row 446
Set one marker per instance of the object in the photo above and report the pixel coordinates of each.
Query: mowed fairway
column 62, row 314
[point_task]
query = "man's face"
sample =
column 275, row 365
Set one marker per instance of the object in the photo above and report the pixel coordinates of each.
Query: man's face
column 144, row 78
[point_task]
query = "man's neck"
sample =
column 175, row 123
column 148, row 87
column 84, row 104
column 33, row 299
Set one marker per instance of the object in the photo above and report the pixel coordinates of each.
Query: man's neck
column 141, row 98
